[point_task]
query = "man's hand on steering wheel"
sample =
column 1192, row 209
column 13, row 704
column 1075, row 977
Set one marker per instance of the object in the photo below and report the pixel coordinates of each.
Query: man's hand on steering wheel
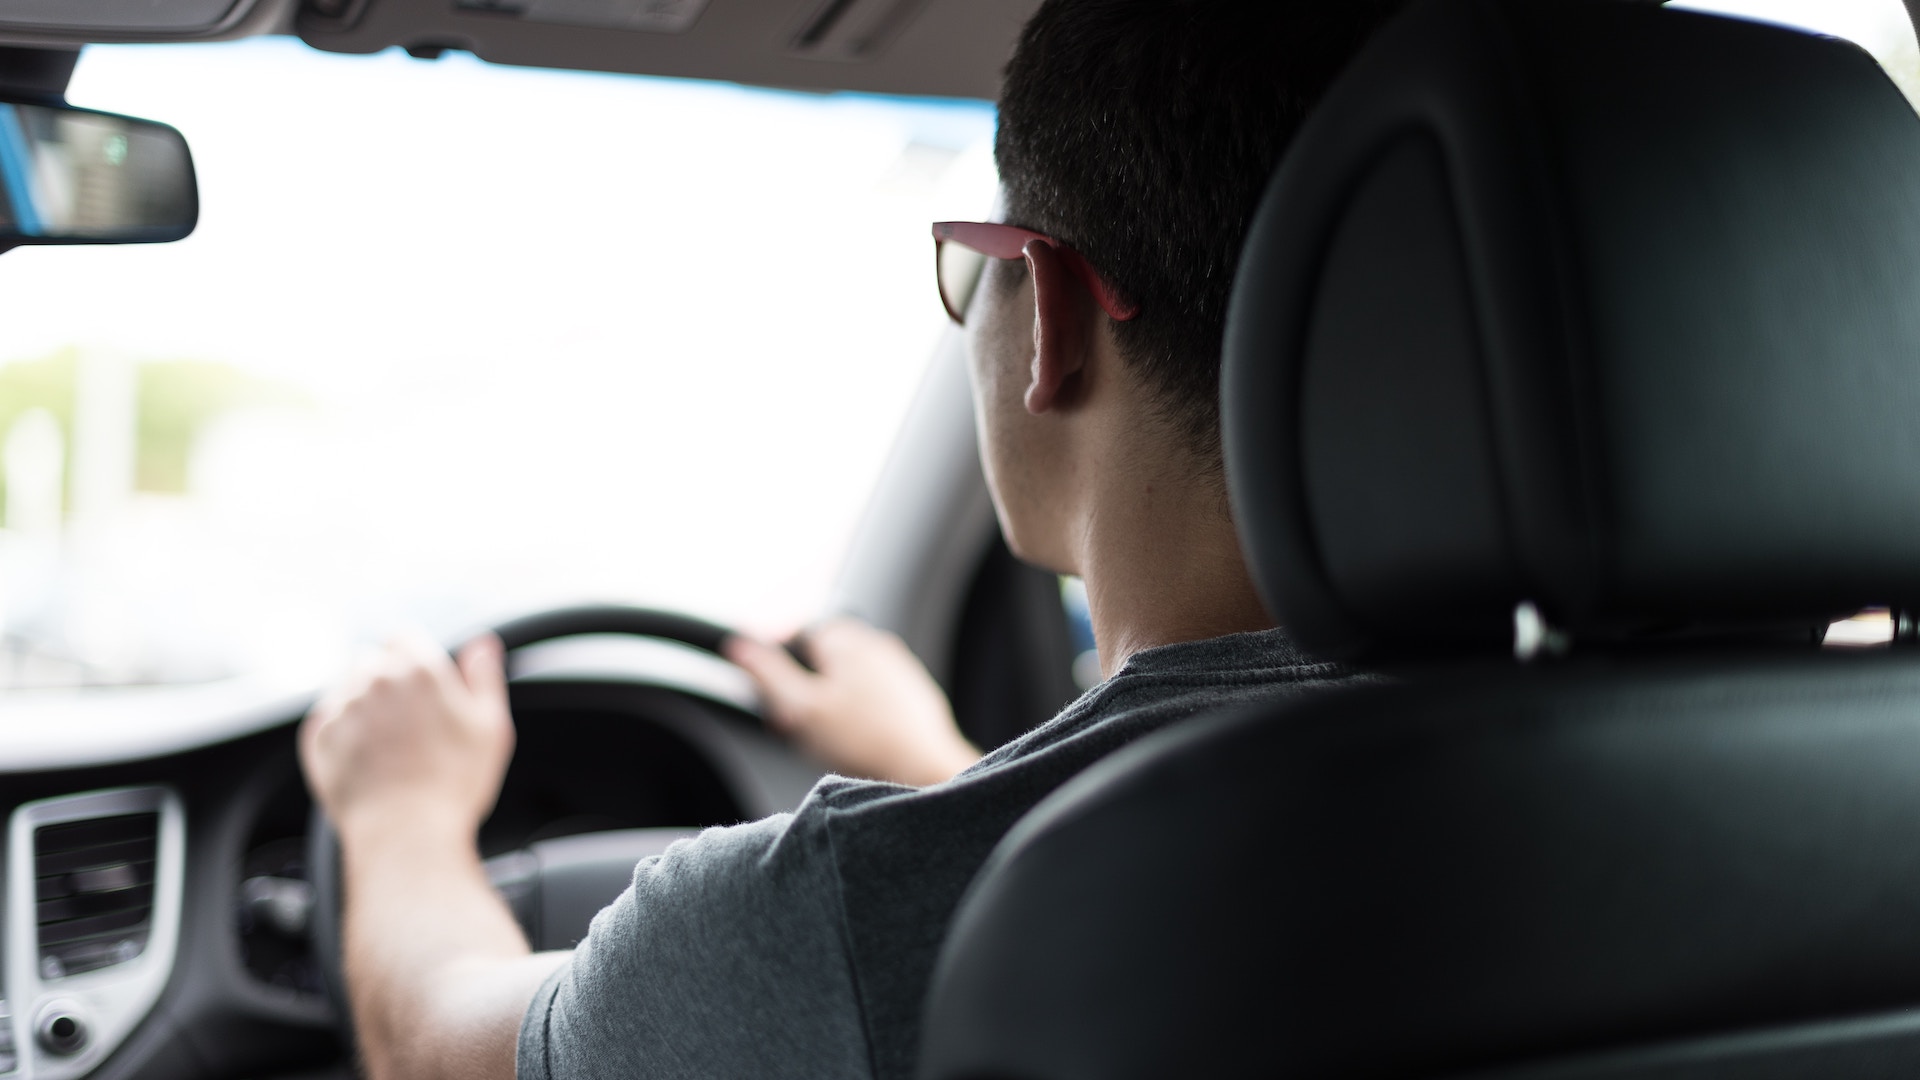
column 411, row 733
column 406, row 758
column 869, row 708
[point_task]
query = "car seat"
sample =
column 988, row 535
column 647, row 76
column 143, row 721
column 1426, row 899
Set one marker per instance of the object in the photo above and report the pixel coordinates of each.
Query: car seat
column 1572, row 384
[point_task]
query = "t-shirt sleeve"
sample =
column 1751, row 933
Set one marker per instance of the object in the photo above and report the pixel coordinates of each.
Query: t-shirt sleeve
column 726, row 957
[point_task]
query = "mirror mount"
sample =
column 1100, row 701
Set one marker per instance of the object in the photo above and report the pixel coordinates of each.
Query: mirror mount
column 40, row 75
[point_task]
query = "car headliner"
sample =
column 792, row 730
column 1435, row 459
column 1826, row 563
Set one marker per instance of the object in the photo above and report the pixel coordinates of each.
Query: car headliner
column 949, row 48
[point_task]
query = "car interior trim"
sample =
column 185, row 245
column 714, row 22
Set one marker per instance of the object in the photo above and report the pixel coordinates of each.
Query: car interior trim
column 106, row 1004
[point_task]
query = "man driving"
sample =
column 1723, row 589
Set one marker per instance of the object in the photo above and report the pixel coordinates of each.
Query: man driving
column 1135, row 139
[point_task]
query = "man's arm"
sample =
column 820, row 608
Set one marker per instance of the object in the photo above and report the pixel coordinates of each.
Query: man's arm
column 407, row 760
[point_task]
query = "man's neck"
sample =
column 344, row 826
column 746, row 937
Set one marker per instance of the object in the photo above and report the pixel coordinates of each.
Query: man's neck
column 1162, row 563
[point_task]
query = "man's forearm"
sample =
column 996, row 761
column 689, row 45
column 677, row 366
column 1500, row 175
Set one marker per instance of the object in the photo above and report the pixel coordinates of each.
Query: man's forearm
column 438, row 971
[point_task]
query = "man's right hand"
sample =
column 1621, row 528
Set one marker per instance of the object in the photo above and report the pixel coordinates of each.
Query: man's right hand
column 869, row 708
column 406, row 758
column 412, row 734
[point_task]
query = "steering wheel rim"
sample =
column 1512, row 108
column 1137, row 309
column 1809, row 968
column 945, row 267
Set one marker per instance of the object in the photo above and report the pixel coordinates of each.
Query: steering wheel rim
column 323, row 844
column 612, row 619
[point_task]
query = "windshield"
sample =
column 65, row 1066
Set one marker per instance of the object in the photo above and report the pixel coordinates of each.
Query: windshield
column 454, row 341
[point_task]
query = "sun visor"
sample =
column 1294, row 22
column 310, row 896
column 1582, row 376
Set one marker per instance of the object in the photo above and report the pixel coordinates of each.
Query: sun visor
column 941, row 48
column 77, row 22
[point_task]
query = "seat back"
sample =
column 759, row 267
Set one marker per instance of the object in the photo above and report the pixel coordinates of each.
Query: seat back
column 1584, row 332
column 1700, row 869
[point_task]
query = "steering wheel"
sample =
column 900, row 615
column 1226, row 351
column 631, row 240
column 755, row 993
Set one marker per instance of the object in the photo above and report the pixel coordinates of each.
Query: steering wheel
column 554, row 886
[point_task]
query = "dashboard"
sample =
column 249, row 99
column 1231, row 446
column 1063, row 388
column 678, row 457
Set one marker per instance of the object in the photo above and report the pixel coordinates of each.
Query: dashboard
column 160, row 915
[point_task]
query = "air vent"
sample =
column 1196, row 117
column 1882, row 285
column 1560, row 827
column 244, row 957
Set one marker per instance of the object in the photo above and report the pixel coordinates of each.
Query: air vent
column 853, row 30
column 94, row 887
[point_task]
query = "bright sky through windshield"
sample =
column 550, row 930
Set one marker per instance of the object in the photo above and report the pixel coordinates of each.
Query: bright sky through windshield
column 532, row 337
column 464, row 341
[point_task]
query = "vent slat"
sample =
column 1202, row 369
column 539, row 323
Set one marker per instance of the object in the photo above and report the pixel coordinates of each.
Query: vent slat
column 94, row 891
column 78, row 834
column 72, row 958
column 96, row 926
column 66, row 862
column 93, row 879
column 87, row 905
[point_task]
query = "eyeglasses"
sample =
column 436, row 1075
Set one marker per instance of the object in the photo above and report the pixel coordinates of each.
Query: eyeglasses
column 961, row 250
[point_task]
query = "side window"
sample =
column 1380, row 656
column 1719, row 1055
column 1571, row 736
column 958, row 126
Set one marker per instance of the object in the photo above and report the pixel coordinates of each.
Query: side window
column 1882, row 27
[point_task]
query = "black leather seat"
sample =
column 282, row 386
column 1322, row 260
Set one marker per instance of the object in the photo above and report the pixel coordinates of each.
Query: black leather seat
column 1592, row 328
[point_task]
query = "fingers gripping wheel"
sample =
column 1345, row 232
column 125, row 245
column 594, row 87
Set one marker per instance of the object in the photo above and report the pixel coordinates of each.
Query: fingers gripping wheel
column 598, row 863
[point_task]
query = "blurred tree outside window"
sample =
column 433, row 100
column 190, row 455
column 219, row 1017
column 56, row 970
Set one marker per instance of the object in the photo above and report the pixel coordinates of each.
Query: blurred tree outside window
column 174, row 401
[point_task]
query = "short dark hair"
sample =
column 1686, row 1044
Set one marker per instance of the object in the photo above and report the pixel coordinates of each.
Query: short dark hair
column 1143, row 133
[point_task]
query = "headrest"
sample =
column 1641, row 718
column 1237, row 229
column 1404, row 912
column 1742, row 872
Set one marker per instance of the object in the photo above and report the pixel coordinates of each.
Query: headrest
column 1602, row 307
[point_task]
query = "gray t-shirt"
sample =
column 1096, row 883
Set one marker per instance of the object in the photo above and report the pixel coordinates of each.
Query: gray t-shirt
column 801, row 945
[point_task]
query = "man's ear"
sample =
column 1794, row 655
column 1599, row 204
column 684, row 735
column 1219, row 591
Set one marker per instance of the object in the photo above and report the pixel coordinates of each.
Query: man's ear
column 1062, row 322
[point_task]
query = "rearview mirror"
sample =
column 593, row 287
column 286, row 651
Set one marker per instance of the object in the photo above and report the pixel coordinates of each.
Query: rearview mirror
column 75, row 176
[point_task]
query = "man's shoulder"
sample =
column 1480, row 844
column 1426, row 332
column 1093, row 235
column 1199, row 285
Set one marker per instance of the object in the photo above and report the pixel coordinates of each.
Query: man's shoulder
column 1155, row 688
column 1163, row 685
